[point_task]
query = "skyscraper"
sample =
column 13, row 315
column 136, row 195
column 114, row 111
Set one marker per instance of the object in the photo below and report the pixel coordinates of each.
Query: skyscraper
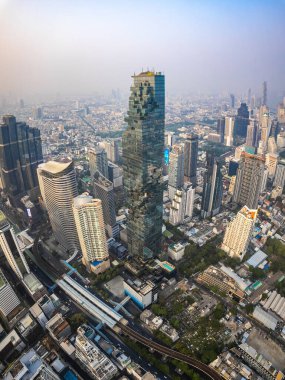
column 213, row 188
column 104, row 190
column 143, row 144
column 58, row 187
column 20, row 154
column 88, row 214
column 229, row 131
column 264, row 94
column 182, row 204
column 10, row 246
column 249, row 180
column 98, row 161
column 112, row 149
column 9, row 302
column 232, row 100
column 279, row 179
column 176, row 170
column 252, row 134
column 190, row 158
column 221, row 128
column 238, row 233
column 241, row 121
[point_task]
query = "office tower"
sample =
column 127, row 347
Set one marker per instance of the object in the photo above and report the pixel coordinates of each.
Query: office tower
column 182, row 204
column 190, row 158
column 143, row 144
column 20, row 154
column 38, row 113
column 98, row 161
column 264, row 94
column 104, row 190
column 176, row 170
column 221, row 128
column 213, row 188
column 241, row 121
column 279, row 179
column 10, row 246
column 169, row 139
column 116, row 176
column 232, row 100
column 238, row 233
column 271, row 145
column 265, row 127
column 58, row 187
column 112, row 149
column 229, row 131
column 93, row 360
column 271, row 160
column 252, row 134
column 249, row 96
column 249, row 180
column 281, row 113
column 89, row 220
column 9, row 302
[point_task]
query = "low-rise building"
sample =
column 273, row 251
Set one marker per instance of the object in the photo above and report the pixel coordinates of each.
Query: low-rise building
column 151, row 320
column 176, row 251
column 139, row 373
column 58, row 327
column 170, row 332
column 143, row 293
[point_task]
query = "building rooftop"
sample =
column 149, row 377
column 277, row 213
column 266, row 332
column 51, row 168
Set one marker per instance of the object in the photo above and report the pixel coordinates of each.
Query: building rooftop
column 32, row 283
column 55, row 167
column 250, row 214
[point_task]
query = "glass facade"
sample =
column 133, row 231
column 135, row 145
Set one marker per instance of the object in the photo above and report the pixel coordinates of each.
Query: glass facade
column 20, row 154
column 143, row 149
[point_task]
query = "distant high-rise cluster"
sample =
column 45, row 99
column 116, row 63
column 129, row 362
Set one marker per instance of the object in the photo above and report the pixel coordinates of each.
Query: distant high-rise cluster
column 143, row 144
column 20, row 154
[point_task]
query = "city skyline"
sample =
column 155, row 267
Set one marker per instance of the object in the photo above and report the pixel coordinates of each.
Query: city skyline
column 207, row 47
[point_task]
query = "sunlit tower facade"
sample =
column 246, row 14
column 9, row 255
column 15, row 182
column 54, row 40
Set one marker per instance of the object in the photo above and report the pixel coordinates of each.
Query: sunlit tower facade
column 143, row 145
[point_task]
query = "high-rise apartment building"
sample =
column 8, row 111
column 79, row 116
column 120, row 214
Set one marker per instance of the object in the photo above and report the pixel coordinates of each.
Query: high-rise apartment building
column 241, row 121
column 271, row 160
column 176, row 170
column 20, row 154
column 190, row 158
column 249, row 180
column 252, row 134
column 143, row 144
column 213, row 188
column 229, row 130
column 10, row 246
column 88, row 215
column 104, row 190
column 279, row 179
column 271, row 145
column 238, row 233
column 58, row 187
column 98, row 161
column 182, row 204
column 281, row 113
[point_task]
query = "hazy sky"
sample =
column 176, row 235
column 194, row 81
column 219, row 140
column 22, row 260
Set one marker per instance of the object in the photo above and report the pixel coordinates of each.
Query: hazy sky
column 79, row 47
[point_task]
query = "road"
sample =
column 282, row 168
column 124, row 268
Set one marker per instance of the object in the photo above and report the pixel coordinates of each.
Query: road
column 207, row 371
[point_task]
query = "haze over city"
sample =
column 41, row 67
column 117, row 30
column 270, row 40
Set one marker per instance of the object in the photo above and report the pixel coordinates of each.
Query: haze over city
column 86, row 47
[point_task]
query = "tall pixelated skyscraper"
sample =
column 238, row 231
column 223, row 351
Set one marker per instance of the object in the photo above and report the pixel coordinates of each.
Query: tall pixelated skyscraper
column 249, row 180
column 20, row 154
column 264, row 94
column 143, row 145
column 213, row 188
column 190, row 158
column 58, row 186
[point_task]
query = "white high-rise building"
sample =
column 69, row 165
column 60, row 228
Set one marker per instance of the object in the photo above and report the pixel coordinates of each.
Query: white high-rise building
column 271, row 160
column 169, row 138
column 58, row 187
column 229, row 130
column 238, row 233
column 182, row 204
column 88, row 214
column 10, row 247
column 175, row 170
